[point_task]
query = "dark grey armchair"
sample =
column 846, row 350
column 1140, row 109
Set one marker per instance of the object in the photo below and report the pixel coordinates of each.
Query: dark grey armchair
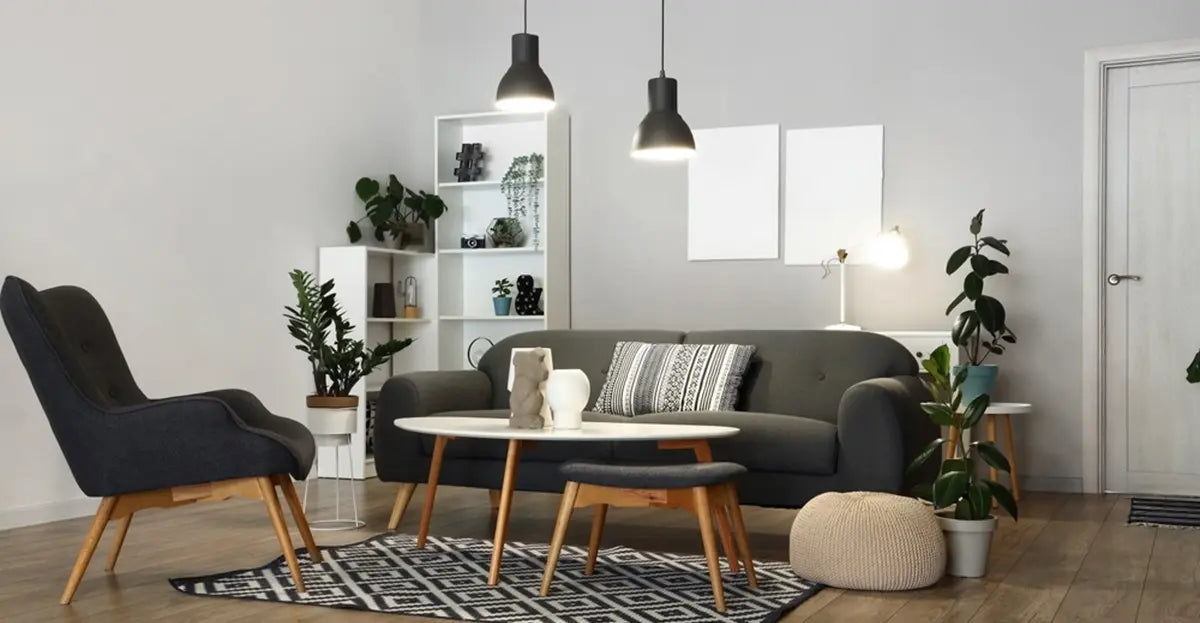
column 136, row 452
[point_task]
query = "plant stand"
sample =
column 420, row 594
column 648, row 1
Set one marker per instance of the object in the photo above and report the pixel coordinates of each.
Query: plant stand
column 332, row 428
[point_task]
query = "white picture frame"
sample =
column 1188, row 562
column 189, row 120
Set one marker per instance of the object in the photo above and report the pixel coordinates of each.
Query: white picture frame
column 733, row 194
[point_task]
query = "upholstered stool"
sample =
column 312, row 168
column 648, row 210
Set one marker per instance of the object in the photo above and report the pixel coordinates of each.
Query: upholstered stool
column 868, row 541
column 702, row 488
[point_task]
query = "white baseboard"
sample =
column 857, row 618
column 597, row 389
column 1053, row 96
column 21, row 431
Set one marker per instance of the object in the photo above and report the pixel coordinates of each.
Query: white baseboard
column 1056, row 484
column 47, row 512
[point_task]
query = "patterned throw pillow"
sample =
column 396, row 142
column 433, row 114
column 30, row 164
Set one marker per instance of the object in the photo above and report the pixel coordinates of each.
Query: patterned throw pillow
column 658, row 378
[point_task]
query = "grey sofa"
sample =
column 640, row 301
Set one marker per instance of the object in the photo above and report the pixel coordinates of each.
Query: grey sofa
column 819, row 411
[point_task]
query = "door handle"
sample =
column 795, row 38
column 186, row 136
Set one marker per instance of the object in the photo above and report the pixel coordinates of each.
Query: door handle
column 1114, row 279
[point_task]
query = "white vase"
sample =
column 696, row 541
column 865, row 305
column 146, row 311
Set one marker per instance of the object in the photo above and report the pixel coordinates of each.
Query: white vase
column 967, row 543
column 567, row 392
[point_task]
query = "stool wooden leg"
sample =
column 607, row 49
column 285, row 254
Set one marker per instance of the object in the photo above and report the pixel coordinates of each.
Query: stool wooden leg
column 703, row 453
column 594, row 540
column 952, row 446
column 560, row 533
column 704, row 513
column 991, row 426
column 739, row 533
column 1006, row 422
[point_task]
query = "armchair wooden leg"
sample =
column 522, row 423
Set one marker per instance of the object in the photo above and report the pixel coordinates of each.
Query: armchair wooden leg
column 594, row 540
column 293, row 500
column 267, row 488
column 704, row 512
column 118, row 541
column 739, row 533
column 403, row 497
column 560, row 534
column 89, row 547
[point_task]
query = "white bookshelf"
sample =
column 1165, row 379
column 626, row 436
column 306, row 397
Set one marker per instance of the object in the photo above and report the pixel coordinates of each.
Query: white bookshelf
column 455, row 284
column 355, row 271
column 465, row 276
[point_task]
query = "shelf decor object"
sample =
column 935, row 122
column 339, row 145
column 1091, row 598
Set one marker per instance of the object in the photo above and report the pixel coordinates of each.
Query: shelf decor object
column 522, row 191
column 408, row 289
column 470, row 161
column 888, row 251
column 567, row 392
column 525, row 87
column 663, row 134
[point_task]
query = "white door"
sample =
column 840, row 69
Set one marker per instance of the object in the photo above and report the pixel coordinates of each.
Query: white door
column 1152, row 279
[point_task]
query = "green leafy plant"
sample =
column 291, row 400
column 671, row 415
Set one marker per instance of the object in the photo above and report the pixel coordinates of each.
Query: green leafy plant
column 957, row 486
column 506, row 232
column 339, row 364
column 521, row 186
column 502, row 288
column 1193, row 370
column 986, row 313
column 392, row 208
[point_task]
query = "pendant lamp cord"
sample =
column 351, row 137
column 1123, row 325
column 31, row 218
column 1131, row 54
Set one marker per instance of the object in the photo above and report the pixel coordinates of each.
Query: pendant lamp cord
column 662, row 41
column 525, row 18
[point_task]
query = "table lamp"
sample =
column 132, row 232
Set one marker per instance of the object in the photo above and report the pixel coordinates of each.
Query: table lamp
column 889, row 251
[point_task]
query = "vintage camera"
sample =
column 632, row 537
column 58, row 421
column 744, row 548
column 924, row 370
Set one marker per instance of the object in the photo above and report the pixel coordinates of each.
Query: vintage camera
column 473, row 242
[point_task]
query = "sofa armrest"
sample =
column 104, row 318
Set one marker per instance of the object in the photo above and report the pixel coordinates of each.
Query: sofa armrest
column 881, row 428
column 418, row 394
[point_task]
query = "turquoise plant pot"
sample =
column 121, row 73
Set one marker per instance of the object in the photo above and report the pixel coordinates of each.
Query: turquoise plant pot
column 502, row 305
column 980, row 380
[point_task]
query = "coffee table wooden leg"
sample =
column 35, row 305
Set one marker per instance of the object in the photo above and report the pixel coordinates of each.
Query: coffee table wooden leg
column 991, row 429
column 506, row 493
column 435, row 468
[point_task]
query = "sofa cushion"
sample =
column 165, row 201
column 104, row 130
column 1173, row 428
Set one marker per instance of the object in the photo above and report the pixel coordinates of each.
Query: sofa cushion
column 767, row 442
column 652, row 378
column 806, row 372
column 554, row 451
column 587, row 350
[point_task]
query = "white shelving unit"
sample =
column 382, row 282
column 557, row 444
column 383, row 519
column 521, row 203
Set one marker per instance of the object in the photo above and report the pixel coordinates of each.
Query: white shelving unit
column 465, row 276
column 355, row 271
column 454, row 284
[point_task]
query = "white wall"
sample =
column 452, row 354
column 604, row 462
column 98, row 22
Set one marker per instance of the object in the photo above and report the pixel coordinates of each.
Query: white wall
column 982, row 103
column 177, row 159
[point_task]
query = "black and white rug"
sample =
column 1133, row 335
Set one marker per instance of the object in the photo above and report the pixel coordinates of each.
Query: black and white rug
column 448, row 579
column 1179, row 512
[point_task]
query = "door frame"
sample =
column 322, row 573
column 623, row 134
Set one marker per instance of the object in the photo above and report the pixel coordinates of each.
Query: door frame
column 1096, row 65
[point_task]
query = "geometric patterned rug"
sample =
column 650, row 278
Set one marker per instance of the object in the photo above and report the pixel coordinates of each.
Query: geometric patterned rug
column 448, row 579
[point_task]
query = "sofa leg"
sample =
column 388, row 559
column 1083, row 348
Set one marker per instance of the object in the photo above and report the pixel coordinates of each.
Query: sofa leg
column 403, row 496
column 89, row 547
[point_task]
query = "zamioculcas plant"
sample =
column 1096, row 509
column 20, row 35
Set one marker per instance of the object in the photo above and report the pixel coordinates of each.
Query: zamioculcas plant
column 957, row 486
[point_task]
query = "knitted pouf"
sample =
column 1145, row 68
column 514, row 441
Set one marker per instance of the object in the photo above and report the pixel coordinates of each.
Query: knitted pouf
column 868, row 541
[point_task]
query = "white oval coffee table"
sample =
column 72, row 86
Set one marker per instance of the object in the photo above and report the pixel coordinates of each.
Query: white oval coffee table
column 444, row 428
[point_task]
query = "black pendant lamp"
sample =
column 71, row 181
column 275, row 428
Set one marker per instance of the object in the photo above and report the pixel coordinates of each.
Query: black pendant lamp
column 525, row 87
column 663, row 134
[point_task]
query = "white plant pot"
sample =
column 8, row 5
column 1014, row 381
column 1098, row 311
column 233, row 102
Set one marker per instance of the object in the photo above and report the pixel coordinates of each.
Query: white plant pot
column 967, row 544
column 343, row 421
column 567, row 392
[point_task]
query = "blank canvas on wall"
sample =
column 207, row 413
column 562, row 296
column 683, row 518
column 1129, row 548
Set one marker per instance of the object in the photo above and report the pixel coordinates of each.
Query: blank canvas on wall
column 733, row 194
column 834, row 193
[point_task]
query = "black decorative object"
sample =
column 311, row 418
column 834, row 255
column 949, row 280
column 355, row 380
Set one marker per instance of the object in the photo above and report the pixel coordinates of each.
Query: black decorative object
column 383, row 304
column 663, row 134
column 529, row 298
column 473, row 242
column 470, row 159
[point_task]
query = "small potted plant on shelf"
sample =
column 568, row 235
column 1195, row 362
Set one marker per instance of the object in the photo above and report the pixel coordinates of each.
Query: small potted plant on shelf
column 402, row 213
column 522, row 188
column 338, row 364
column 962, row 500
column 502, row 296
column 985, row 314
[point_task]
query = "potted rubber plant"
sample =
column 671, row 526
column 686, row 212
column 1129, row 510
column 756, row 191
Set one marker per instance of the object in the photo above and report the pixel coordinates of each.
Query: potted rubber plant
column 502, row 296
column 394, row 210
column 337, row 361
column 981, row 330
column 961, row 498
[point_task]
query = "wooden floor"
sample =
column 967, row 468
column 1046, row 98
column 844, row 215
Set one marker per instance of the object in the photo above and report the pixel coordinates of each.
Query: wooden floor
column 1070, row 558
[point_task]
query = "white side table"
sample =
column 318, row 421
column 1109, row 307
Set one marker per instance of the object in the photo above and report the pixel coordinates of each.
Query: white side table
column 1000, row 411
column 331, row 428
